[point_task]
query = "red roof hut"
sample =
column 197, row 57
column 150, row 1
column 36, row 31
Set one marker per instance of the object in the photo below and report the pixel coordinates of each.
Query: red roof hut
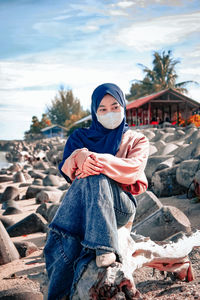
column 167, row 105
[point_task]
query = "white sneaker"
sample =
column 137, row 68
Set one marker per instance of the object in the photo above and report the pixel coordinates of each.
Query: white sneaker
column 105, row 260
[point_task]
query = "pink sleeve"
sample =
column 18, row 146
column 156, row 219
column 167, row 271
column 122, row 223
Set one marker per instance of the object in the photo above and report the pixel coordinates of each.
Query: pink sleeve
column 75, row 161
column 127, row 170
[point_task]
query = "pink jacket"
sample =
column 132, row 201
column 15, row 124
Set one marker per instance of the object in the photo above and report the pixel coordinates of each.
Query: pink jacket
column 127, row 167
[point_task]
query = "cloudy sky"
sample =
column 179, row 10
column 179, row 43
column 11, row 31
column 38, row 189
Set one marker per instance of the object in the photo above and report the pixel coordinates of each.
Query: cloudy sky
column 82, row 43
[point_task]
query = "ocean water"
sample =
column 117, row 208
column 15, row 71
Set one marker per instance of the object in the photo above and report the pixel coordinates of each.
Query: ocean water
column 3, row 162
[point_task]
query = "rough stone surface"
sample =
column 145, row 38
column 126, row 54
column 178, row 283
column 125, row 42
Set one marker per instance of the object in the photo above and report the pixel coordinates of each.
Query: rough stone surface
column 8, row 252
column 25, row 248
column 163, row 223
column 10, row 193
column 51, row 180
column 147, row 203
column 32, row 223
column 186, row 171
column 32, row 191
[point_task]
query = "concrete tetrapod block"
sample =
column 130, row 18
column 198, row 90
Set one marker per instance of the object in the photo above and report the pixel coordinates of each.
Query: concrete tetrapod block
column 186, row 171
column 8, row 251
column 51, row 180
column 31, row 224
column 32, row 191
column 147, row 203
column 42, row 210
column 10, row 193
column 21, row 293
column 25, row 248
column 9, row 203
column 196, row 151
column 49, row 196
column 153, row 163
column 5, row 178
column 6, row 221
column 19, row 177
column 51, row 211
column 163, row 223
column 12, row 211
column 169, row 163
column 164, row 183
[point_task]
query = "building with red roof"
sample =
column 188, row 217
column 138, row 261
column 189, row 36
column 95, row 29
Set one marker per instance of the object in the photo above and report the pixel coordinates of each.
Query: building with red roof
column 165, row 106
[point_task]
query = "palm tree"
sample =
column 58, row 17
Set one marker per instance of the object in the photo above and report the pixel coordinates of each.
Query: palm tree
column 162, row 76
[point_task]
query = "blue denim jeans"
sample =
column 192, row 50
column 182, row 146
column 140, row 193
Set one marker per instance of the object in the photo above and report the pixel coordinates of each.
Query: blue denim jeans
column 86, row 221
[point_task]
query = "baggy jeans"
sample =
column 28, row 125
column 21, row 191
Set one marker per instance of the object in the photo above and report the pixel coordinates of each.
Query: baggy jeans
column 87, row 220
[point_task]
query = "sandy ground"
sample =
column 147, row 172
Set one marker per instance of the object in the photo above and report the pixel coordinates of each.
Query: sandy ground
column 30, row 271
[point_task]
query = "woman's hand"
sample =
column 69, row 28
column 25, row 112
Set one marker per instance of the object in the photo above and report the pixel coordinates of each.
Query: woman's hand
column 91, row 166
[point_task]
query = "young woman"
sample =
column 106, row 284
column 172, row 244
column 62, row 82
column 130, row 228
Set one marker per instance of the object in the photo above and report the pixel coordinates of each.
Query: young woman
column 105, row 166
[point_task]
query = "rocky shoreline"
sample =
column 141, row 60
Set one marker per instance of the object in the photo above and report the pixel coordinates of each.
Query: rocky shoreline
column 31, row 190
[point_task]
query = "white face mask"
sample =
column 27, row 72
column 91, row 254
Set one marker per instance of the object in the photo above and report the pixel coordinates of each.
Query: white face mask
column 111, row 120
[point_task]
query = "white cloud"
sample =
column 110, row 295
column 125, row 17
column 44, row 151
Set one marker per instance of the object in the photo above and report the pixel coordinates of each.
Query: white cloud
column 61, row 17
column 168, row 30
column 117, row 13
column 125, row 4
column 51, row 29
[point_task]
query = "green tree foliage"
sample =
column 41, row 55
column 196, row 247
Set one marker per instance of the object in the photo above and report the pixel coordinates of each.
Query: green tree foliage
column 161, row 76
column 63, row 107
column 37, row 125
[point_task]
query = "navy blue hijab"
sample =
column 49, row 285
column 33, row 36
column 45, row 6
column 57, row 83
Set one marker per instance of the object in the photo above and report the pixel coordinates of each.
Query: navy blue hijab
column 98, row 138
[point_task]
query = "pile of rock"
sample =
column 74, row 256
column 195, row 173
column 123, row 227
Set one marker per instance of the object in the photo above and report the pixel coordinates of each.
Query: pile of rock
column 174, row 159
column 172, row 165
column 36, row 180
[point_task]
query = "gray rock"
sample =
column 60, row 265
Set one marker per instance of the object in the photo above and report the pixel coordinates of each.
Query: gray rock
column 168, row 149
column 147, row 203
column 152, row 149
column 160, row 134
column 36, row 174
column 169, row 163
column 160, row 145
column 6, row 221
column 41, row 165
column 52, row 171
column 164, row 183
column 10, row 193
column 9, row 203
column 184, row 153
column 64, row 187
column 186, row 172
column 8, row 252
column 153, row 163
column 25, row 248
column 12, row 211
column 31, row 224
column 19, row 177
column 149, row 134
column 5, row 178
column 38, row 181
column 49, row 196
column 52, row 211
column 21, row 293
column 163, row 223
column 26, row 176
column 32, row 191
column 51, row 180
column 42, row 210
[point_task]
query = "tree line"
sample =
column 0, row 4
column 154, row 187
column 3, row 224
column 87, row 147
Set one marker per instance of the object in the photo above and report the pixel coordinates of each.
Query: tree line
column 65, row 108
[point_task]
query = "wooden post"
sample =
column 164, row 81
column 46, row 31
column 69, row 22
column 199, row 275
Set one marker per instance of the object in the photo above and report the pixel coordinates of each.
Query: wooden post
column 131, row 112
column 163, row 113
column 149, row 113
column 178, row 114
column 136, row 116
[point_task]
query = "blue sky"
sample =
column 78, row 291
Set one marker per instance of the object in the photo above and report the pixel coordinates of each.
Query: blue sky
column 82, row 43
